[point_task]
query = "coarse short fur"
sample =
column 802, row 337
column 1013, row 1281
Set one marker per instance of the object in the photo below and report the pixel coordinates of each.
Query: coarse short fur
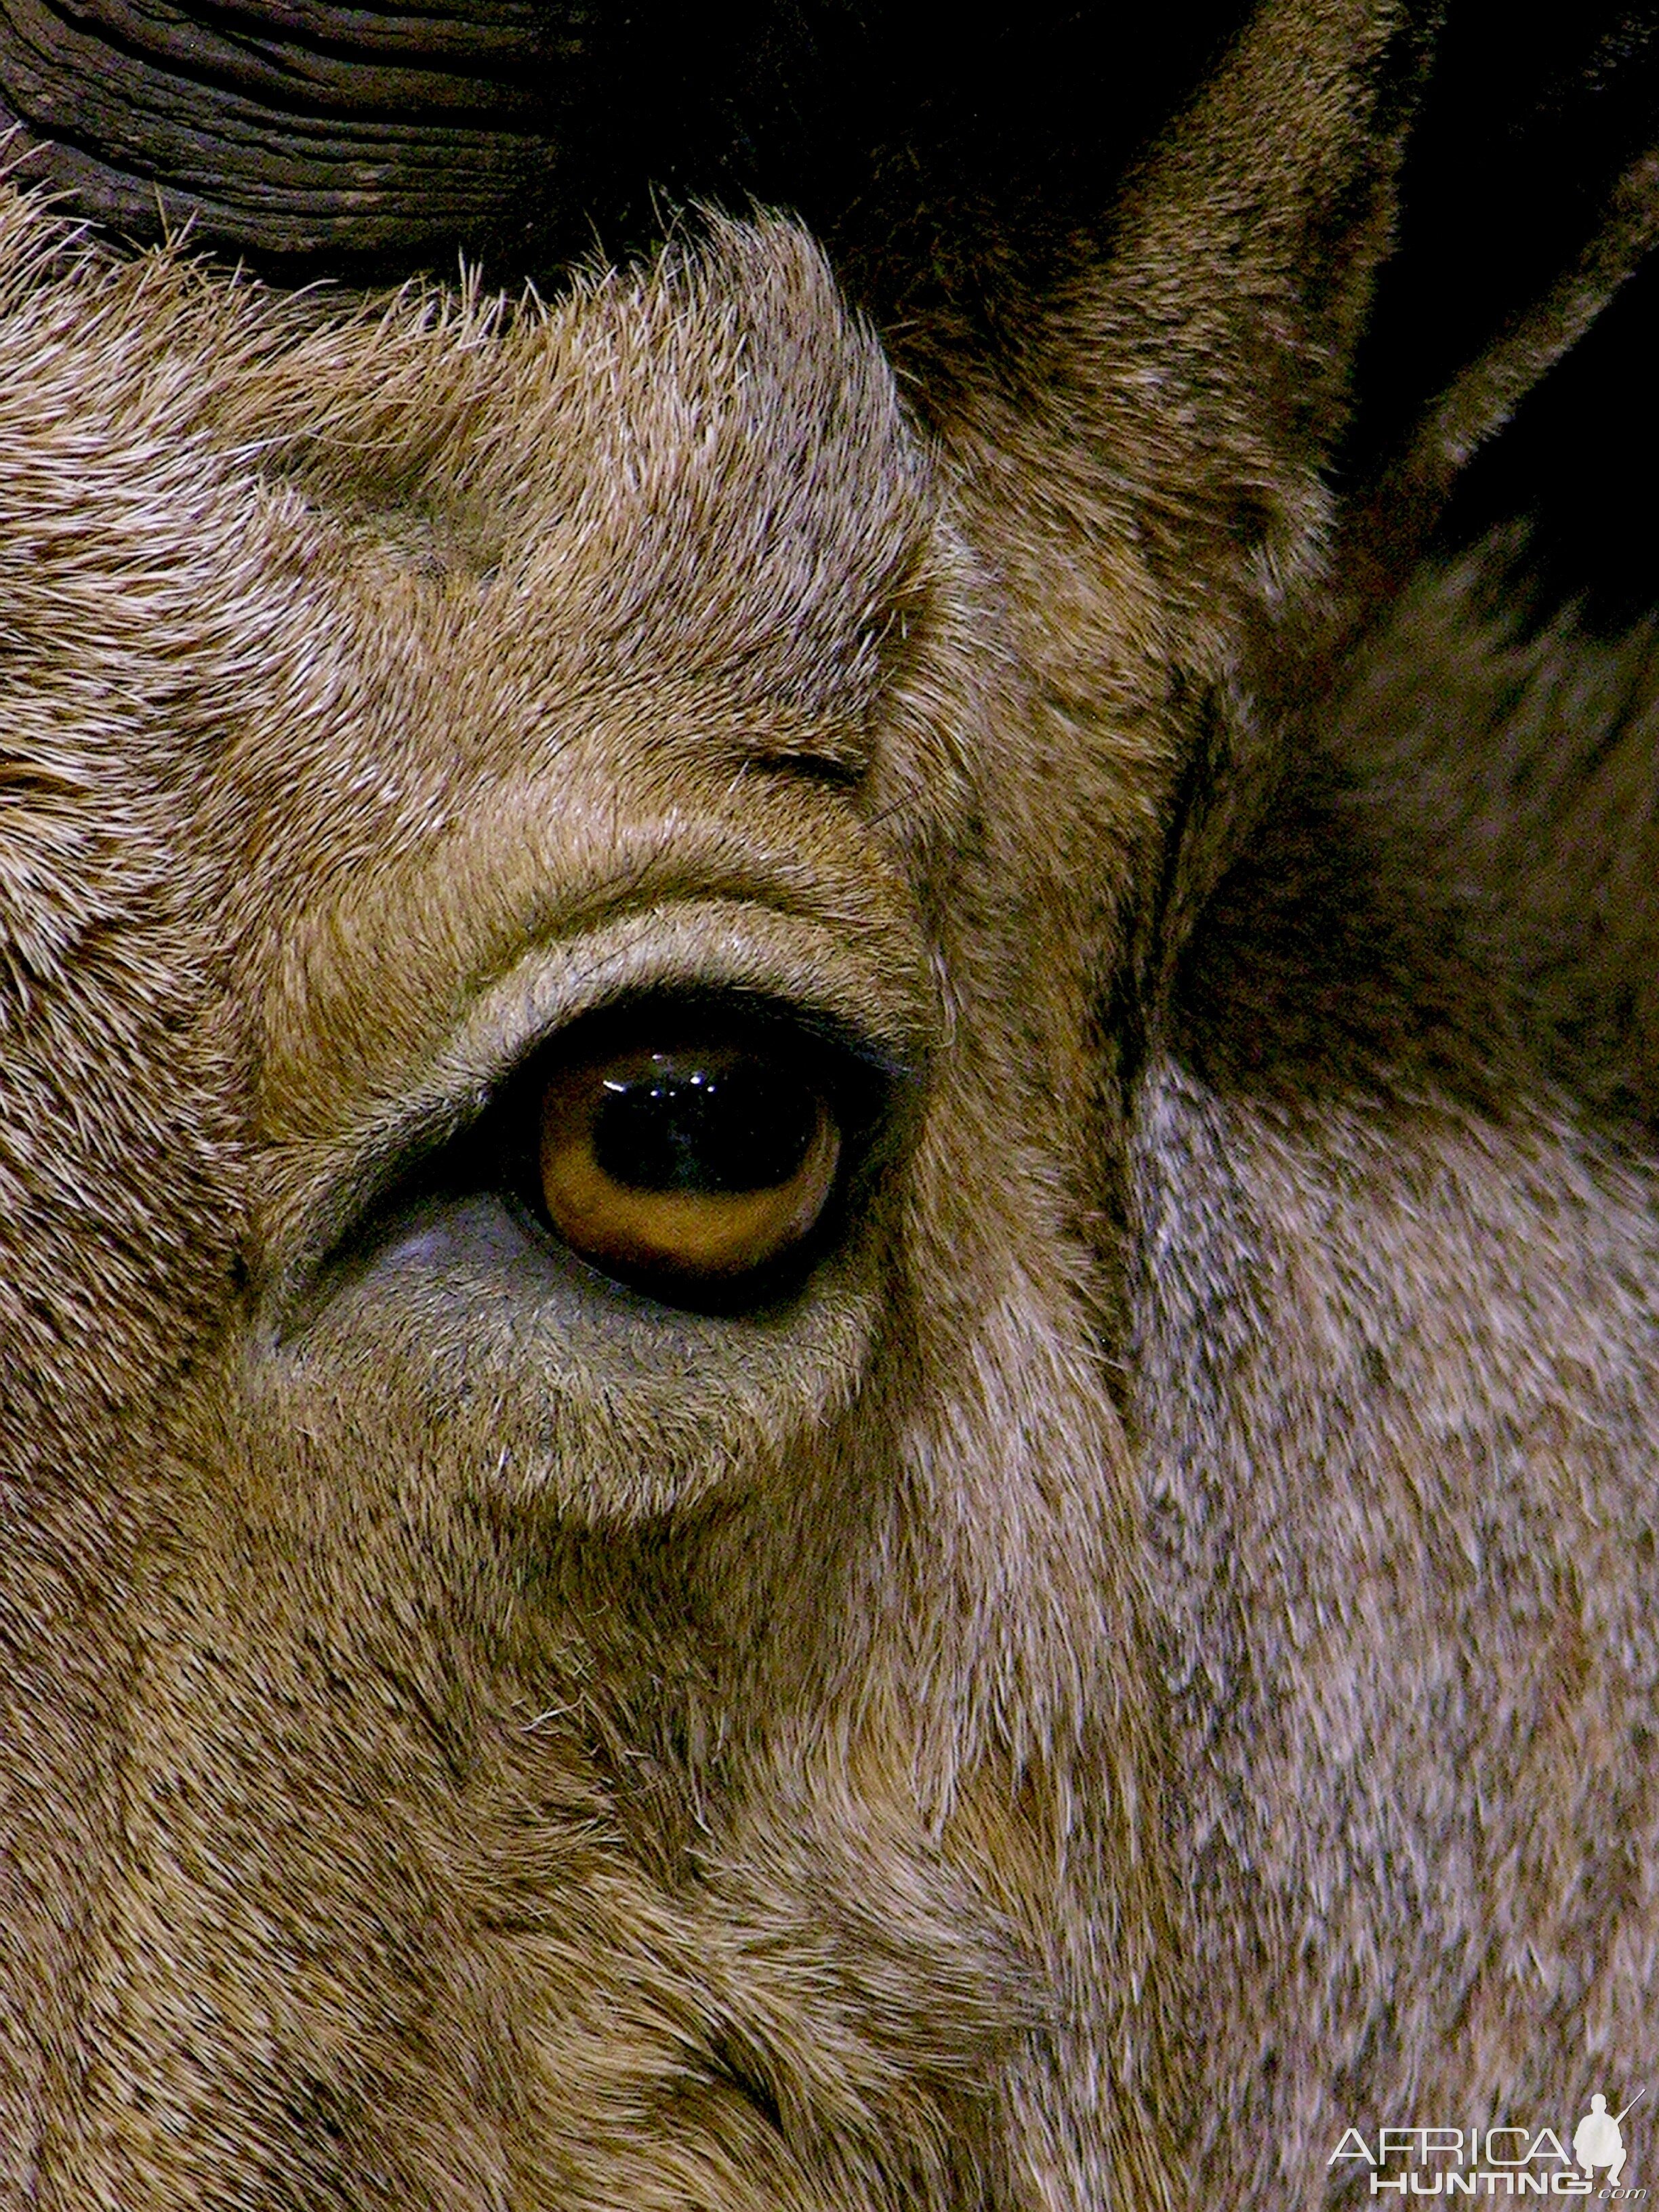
column 1145, row 1662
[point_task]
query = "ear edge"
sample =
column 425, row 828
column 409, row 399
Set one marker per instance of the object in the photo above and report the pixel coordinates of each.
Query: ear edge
column 1393, row 519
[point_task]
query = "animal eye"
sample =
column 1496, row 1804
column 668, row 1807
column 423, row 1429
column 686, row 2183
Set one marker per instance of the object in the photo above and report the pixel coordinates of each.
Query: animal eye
column 677, row 1162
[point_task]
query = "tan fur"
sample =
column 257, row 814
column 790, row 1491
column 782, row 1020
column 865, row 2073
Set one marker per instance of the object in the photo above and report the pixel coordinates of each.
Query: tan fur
column 1145, row 1662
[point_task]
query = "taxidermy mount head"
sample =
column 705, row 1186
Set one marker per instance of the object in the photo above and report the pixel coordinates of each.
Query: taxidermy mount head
column 828, row 1253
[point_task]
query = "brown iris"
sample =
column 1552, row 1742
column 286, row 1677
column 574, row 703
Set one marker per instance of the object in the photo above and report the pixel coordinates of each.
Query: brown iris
column 701, row 1159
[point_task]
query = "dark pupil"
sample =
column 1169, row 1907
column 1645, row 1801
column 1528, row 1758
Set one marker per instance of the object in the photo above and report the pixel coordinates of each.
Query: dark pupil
column 741, row 1128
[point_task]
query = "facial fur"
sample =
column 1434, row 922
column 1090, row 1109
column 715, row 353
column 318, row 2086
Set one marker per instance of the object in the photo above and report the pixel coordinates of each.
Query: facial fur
column 532, row 1746
column 483, row 1736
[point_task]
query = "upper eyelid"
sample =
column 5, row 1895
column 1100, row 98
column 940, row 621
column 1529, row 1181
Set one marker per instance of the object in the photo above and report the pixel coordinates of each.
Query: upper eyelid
column 737, row 1015
column 848, row 992
column 345, row 1010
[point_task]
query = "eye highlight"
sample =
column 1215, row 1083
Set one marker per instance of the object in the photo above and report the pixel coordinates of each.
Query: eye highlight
column 678, row 1160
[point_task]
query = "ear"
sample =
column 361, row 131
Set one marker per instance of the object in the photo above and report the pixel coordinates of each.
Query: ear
column 1146, row 470
column 1150, row 471
column 1239, row 282
column 1391, row 522
column 1219, row 335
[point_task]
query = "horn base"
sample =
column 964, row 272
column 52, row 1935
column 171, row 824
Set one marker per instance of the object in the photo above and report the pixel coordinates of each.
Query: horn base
column 292, row 129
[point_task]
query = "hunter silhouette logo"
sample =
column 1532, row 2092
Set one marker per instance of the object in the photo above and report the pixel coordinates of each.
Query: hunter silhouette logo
column 1492, row 2161
column 1597, row 2141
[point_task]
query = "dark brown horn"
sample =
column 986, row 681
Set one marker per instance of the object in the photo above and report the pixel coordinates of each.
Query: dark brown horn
column 293, row 126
